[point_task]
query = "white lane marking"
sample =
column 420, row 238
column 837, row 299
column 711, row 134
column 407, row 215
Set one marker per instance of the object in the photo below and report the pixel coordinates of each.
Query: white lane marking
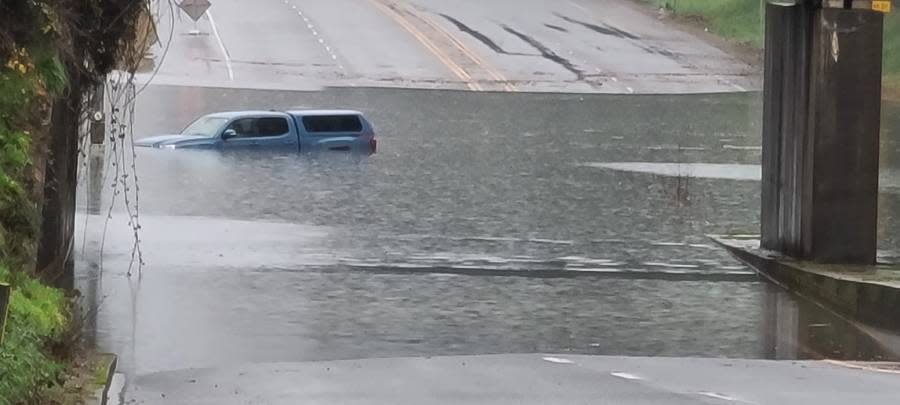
column 738, row 87
column 558, row 360
column 717, row 395
column 614, row 79
column 630, row 90
column 626, row 376
column 315, row 33
column 212, row 24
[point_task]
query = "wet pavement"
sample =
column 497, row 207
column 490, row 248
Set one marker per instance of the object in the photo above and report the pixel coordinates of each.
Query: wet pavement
column 486, row 223
column 526, row 379
column 583, row 46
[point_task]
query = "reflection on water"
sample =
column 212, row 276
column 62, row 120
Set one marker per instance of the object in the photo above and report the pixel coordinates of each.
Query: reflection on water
column 193, row 316
column 479, row 227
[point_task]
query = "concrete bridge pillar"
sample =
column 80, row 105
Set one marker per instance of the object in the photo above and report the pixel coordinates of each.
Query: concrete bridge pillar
column 822, row 106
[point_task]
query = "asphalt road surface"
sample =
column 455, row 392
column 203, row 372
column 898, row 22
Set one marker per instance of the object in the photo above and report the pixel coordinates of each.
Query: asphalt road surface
column 528, row 379
column 605, row 46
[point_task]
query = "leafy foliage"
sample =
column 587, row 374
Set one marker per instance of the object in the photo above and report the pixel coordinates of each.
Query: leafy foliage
column 37, row 316
column 23, row 78
column 90, row 35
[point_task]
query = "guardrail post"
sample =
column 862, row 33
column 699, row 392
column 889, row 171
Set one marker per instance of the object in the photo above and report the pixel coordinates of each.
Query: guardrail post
column 5, row 293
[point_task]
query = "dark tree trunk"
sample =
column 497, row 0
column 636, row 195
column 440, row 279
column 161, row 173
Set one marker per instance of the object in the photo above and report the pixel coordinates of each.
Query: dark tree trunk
column 56, row 245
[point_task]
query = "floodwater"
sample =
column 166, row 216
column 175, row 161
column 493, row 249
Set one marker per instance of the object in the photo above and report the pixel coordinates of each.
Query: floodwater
column 486, row 223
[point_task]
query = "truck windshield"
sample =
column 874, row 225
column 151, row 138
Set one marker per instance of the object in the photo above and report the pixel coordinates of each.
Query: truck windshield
column 205, row 126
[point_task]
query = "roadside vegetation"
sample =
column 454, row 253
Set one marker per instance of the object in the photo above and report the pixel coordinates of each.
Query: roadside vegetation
column 741, row 21
column 37, row 313
column 50, row 53
column 37, row 320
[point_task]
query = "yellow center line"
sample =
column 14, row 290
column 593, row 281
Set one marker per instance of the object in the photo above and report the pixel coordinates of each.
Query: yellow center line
column 470, row 53
column 456, row 69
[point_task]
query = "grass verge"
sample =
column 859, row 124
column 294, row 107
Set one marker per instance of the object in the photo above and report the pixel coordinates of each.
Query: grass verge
column 741, row 21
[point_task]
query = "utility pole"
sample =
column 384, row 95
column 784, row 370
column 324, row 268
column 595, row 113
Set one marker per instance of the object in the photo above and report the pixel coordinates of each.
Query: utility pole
column 821, row 121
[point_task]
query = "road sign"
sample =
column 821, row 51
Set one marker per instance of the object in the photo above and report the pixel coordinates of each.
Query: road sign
column 5, row 293
column 194, row 8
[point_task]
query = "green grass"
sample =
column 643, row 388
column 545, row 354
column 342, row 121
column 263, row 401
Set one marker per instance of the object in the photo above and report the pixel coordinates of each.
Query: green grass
column 741, row 21
column 37, row 317
column 892, row 44
column 738, row 20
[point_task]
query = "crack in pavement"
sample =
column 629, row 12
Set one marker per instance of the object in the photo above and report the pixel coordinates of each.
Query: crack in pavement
column 546, row 52
column 602, row 29
column 556, row 27
column 484, row 39
column 475, row 34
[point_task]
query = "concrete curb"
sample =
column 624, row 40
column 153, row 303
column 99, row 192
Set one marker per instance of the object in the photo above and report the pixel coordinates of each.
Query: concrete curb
column 849, row 290
column 110, row 361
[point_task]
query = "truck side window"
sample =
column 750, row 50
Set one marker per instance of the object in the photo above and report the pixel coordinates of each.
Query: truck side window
column 319, row 124
column 244, row 127
column 272, row 126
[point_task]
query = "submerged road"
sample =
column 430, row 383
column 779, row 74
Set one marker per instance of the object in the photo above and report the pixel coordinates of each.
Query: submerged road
column 465, row 234
column 586, row 46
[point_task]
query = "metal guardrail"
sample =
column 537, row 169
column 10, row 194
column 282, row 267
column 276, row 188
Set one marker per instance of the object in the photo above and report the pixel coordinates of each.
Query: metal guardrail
column 5, row 293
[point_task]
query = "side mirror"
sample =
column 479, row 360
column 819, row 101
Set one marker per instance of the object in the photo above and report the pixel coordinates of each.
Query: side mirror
column 228, row 134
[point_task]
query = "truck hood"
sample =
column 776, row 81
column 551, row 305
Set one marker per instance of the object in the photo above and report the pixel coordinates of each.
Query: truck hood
column 162, row 140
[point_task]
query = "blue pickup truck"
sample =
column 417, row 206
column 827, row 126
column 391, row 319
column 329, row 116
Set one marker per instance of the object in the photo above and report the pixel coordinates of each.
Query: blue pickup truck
column 301, row 130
